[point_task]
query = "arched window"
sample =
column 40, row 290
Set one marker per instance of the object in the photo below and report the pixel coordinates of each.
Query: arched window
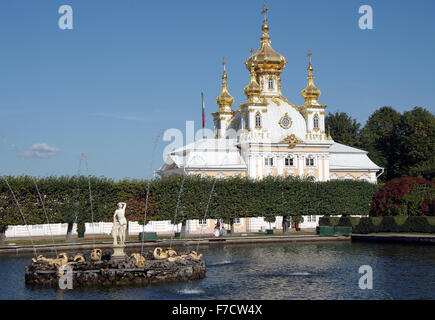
column 270, row 83
column 309, row 161
column 220, row 175
column 334, row 177
column 258, row 120
column 289, row 161
column 311, row 177
column 316, row 122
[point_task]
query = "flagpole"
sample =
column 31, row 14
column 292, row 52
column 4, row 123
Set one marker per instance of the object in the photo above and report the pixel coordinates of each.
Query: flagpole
column 203, row 116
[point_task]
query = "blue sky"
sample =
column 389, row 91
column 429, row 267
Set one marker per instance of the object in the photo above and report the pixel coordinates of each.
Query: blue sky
column 132, row 67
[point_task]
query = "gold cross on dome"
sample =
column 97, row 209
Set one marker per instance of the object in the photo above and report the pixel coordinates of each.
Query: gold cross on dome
column 264, row 11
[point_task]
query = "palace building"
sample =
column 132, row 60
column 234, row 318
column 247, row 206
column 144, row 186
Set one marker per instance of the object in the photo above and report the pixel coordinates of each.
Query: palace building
column 269, row 135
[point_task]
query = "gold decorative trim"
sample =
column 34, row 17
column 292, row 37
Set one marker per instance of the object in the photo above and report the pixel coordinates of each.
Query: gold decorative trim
column 292, row 140
column 285, row 100
column 276, row 101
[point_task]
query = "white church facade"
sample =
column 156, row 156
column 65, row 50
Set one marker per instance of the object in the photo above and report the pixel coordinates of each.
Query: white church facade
column 269, row 135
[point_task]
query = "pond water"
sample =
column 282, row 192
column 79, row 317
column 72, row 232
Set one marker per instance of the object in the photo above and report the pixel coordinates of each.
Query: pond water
column 327, row 270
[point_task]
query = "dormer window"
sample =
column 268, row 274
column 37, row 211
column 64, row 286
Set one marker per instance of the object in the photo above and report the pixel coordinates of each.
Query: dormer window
column 316, row 122
column 258, row 120
column 270, row 83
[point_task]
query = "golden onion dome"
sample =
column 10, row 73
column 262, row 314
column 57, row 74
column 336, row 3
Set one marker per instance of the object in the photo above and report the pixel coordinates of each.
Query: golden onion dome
column 224, row 99
column 266, row 59
column 311, row 93
column 253, row 89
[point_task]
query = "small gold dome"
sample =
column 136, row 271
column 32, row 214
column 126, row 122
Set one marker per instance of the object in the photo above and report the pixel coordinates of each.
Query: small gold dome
column 253, row 89
column 224, row 99
column 311, row 93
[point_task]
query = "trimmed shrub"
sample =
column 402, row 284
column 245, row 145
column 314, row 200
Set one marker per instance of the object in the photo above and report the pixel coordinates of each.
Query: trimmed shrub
column 328, row 221
column 417, row 224
column 67, row 198
column 399, row 220
column 395, row 224
column 388, row 224
column 348, row 221
column 365, row 226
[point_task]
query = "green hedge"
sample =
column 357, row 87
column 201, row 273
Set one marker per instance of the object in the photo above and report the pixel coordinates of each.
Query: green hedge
column 328, row 221
column 67, row 198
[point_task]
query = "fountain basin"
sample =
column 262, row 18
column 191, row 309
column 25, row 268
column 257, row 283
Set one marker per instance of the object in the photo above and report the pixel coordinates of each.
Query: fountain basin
column 116, row 273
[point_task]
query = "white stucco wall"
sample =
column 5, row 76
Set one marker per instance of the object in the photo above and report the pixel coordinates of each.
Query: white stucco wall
column 161, row 227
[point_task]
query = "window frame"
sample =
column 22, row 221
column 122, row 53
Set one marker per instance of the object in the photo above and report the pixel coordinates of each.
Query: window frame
column 258, row 120
column 308, row 161
column 289, row 157
column 269, row 161
column 316, row 122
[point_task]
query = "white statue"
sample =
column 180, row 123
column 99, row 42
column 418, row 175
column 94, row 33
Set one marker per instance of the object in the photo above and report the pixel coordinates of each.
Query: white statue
column 119, row 224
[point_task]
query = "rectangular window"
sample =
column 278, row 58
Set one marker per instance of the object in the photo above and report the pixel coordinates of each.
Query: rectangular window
column 202, row 222
column 268, row 162
column 310, row 162
column 311, row 218
column 237, row 221
column 289, row 162
column 257, row 120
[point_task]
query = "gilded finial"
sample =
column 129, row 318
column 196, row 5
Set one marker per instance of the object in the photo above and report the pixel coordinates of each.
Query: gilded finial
column 224, row 74
column 264, row 11
column 252, row 50
column 310, row 67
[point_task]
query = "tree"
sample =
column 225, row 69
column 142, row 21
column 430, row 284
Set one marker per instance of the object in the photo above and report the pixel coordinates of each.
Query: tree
column 417, row 133
column 380, row 137
column 343, row 128
column 402, row 144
